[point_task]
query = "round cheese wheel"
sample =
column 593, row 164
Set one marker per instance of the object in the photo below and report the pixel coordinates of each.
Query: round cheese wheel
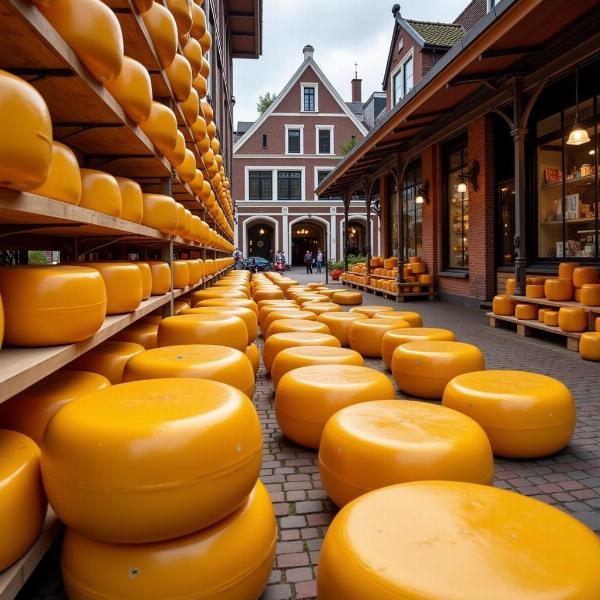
column 229, row 560
column 201, row 361
column 583, row 275
column 177, row 156
column 132, row 89
column 92, row 30
column 287, row 325
column 590, row 294
column 195, row 271
column 100, row 192
column 272, row 293
column 161, row 277
column 64, row 179
column 169, row 457
column 181, row 274
column 525, row 415
column 365, row 336
column 108, row 359
column 551, row 318
column 395, row 337
column 179, row 74
column 160, row 212
column 476, row 540
column 412, row 318
column 339, row 324
column 30, row 410
column 565, row 269
column 161, row 126
column 425, row 278
column 146, row 273
column 272, row 316
column 180, row 306
column 503, row 305
column 143, row 5
column 244, row 302
column 26, row 142
column 572, row 319
column 198, row 22
column 132, row 203
column 205, row 69
column 246, row 314
column 558, row 289
column 22, row 501
column 209, row 293
column 318, row 308
column 589, row 346
column 372, row 445
column 279, row 341
column 253, row 356
column 216, row 329
column 124, row 287
column 181, row 10
column 187, row 169
column 301, row 299
column 422, row 369
column 305, row 356
column 162, row 28
column 51, row 305
column 526, row 311
column 577, row 294
column 534, row 291
column 347, row 298
column 192, row 50
column 144, row 334
column 541, row 313
column 307, row 397
column 371, row 311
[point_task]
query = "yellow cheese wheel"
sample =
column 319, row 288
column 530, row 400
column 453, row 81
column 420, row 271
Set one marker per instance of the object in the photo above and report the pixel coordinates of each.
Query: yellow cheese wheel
column 305, row 356
column 143, row 5
column 246, row 314
column 476, row 541
column 192, row 50
column 200, row 361
column 132, row 203
column 395, row 337
column 426, row 279
column 162, row 28
column 284, row 313
column 124, row 286
column 590, row 294
column 159, row 459
column 132, row 89
column 92, row 30
column 577, row 295
column 589, row 346
column 535, row 281
column 551, row 318
column 208, row 113
column 206, row 42
column 152, row 319
column 418, row 268
column 161, row 277
column 597, row 324
column 534, row 291
column 230, row 560
column 511, row 284
column 46, row 306
column 412, row 318
column 160, row 212
column 583, row 275
column 526, row 311
column 339, row 324
column 371, row 311
column 108, row 359
column 187, row 169
column 371, row 445
column 525, row 415
column 100, row 191
column 64, row 179
column 301, row 299
column 29, row 411
column 279, row 341
column 144, row 334
column 181, row 274
column 179, row 74
column 541, row 313
column 558, row 289
column 224, row 330
column 161, row 127
column 26, row 141
column 565, row 269
column 307, row 397
column 223, row 301
column 318, row 308
column 365, row 336
column 198, row 22
column 288, row 325
column 195, row 267
column 146, row 273
column 177, row 156
column 572, row 319
column 422, row 369
column 272, row 293
column 180, row 306
column 253, row 356
column 212, row 292
column 347, row 298
column 503, row 305
column 22, row 501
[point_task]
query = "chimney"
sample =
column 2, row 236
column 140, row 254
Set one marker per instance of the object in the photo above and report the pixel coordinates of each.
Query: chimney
column 356, row 90
column 308, row 51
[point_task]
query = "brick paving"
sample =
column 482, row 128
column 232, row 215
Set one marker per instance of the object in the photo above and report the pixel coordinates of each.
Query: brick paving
column 570, row 480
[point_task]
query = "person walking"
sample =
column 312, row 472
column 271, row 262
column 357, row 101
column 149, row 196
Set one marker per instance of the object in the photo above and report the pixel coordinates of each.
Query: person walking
column 319, row 260
column 308, row 259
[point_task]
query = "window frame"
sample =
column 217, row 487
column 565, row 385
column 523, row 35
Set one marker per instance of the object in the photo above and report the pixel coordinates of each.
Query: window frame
column 399, row 72
column 415, row 169
column 275, row 171
column 331, row 129
column 315, row 86
column 250, row 170
column 291, row 170
column 294, row 127
column 316, row 179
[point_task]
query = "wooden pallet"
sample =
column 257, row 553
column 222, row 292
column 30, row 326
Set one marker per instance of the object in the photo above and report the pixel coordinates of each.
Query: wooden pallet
column 429, row 293
column 527, row 328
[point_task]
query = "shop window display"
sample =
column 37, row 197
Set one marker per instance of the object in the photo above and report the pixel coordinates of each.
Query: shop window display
column 457, row 210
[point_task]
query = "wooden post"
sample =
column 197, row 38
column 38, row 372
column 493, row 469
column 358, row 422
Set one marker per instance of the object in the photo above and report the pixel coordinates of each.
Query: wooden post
column 347, row 197
column 368, row 185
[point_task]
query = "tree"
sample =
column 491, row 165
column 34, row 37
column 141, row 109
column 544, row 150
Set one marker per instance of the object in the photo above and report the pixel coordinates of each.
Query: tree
column 348, row 145
column 265, row 101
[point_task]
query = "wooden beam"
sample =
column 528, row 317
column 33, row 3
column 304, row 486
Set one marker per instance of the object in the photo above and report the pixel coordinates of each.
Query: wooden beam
column 428, row 115
column 514, row 51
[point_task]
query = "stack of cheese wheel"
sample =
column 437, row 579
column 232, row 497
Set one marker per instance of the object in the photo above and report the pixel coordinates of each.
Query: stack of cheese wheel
column 174, row 483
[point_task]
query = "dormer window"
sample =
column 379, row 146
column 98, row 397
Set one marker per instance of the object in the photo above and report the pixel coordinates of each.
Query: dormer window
column 309, row 97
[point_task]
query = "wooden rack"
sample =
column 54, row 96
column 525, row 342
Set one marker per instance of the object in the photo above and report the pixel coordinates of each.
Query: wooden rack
column 427, row 290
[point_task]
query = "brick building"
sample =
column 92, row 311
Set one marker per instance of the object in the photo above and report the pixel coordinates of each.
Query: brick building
column 480, row 135
column 279, row 160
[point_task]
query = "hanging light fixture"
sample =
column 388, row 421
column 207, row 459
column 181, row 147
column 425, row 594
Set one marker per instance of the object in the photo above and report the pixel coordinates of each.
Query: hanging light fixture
column 462, row 188
column 578, row 135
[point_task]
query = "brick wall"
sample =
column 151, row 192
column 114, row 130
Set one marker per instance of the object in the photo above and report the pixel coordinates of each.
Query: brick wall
column 408, row 42
column 472, row 14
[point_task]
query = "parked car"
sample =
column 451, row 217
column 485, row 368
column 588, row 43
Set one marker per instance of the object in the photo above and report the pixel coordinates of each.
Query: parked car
column 260, row 264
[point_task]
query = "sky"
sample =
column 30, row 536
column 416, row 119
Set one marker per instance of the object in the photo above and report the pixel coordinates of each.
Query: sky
column 342, row 32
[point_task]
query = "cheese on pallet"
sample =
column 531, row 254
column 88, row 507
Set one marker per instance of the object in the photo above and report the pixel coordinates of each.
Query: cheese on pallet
column 590, row 294
column 526, row 311
column 558, row 289
column 572, row 319
column 582, row 275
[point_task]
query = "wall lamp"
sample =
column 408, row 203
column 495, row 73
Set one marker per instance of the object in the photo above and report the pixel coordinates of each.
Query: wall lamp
column 423, row 193
column 470, row 175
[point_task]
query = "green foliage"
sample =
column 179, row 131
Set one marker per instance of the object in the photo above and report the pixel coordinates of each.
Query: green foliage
column 37, row 257
column 265, row 101
column 352, row 260
column 347, row 146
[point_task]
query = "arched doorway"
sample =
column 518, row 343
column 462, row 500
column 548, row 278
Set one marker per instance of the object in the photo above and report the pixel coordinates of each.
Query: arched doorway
column 261, row 240
column 357, row 237
column 306, row 235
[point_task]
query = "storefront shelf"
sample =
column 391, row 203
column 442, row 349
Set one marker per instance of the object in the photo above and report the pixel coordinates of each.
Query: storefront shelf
column 399, row 297
column 577, row 180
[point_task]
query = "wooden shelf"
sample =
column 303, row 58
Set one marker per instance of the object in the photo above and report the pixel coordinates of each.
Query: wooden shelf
column 546, row 302
column 546, row 186
column 398, row 296
column 13, row 579
column 571, row 221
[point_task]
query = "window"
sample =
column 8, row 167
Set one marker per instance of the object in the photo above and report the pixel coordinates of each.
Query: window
column 260, row 185
column 457, row 207
column 289, row 185
column 294, row 139
column 403, row 78
column 321, row 174
column 397, row 83
column 264, row 140
column 392, row 211
column 413, row 214
column 309, row 99
column 324, row 140
column 407, row 80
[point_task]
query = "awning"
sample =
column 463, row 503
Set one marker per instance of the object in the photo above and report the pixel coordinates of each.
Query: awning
column 245, row 26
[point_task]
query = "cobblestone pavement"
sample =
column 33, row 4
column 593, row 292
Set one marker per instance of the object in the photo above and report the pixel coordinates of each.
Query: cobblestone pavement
column 569, row 480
